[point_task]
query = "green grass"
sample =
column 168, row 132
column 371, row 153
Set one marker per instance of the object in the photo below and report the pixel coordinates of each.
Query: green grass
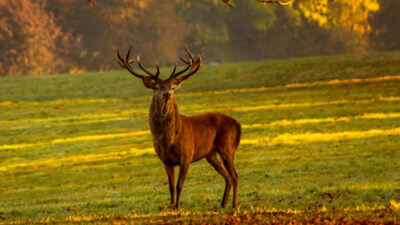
column 294, row 165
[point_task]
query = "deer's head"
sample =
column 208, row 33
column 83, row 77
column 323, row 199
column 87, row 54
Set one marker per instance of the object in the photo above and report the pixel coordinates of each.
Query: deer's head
column 163, row 89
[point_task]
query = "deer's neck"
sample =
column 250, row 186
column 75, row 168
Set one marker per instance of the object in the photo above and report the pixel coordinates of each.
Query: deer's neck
column 164, row 120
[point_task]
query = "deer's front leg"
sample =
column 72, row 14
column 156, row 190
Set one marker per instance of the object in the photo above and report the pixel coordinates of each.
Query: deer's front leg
column 182, row 176
column 171, row 180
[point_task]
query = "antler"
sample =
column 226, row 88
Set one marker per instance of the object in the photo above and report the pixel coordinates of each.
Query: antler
column 191, row 63
column 147, row 71
column 126, row 64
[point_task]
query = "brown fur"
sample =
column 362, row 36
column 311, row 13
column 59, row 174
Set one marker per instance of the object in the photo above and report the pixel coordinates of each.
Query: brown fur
column 180, row 140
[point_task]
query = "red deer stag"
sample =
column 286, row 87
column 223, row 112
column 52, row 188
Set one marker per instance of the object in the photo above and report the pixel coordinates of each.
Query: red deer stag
column 180, row 140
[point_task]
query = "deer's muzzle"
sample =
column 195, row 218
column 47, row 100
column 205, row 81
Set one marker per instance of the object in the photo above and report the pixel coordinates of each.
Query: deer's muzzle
column 166, row 95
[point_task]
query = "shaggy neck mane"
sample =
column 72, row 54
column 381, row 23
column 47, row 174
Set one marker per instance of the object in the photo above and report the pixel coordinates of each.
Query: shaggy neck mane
column 164, row 119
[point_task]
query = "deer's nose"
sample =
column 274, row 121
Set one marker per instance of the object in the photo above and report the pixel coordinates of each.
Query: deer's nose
column 166, row 94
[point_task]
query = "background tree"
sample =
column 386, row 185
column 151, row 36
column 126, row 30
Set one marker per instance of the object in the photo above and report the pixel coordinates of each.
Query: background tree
column 385, row 24
column 348, row 20
column 72, row 35
column 29, row 39
column 152, row 26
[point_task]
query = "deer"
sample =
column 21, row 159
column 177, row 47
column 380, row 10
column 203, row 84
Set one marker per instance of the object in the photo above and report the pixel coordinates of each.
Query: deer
column 180, row 140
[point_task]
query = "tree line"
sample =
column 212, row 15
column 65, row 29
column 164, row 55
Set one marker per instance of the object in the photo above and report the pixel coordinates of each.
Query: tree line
column 57, row 36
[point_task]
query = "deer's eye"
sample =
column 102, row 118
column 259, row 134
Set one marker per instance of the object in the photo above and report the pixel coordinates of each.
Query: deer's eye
column 173, row 88
column 155, row 88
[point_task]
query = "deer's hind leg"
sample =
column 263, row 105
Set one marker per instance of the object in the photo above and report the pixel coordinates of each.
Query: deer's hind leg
column 216, row 161
column 228, row 160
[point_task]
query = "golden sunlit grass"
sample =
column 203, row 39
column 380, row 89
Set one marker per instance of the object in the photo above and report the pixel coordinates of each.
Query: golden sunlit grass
column 57, row 122
column 283, row 139
column 125, row 114
column 58, row 102
column 67, row 120
column 78, row 139
column 194, row 94
column 323, row 120
column 295, row 105
column 295, row 139
column 310, row 149
column 118, row 153
column 298, row 85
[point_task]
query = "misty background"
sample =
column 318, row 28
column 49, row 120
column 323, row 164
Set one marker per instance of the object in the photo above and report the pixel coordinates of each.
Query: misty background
column 72, row 36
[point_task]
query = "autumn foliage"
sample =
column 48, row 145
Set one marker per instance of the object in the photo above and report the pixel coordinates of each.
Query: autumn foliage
column 45, row 37
column 30, row 39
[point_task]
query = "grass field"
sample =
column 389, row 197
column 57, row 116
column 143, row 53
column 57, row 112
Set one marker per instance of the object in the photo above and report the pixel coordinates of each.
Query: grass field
column 321, row 137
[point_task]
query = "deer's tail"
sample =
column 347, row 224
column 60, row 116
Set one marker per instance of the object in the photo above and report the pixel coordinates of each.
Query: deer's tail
column 238, row 134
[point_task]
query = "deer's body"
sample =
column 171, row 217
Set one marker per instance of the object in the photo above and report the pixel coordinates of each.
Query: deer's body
column 180, row 140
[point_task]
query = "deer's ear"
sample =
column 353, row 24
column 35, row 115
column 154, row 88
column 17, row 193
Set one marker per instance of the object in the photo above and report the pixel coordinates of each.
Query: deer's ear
column 148, row 83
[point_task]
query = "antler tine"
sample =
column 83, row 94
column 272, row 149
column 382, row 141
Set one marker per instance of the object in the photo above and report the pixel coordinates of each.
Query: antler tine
column 158, row 71
column 173, row 71
column 190, row 62
column 128, row 54
column 188, row 52
column 125, row 63
column 145, row 70
column 192, row 65
column 182, row 71
column 120, row 58
column 197, row 64
column 193, row 69
column 119, row 62
column 190, row 57
column 183, row 60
